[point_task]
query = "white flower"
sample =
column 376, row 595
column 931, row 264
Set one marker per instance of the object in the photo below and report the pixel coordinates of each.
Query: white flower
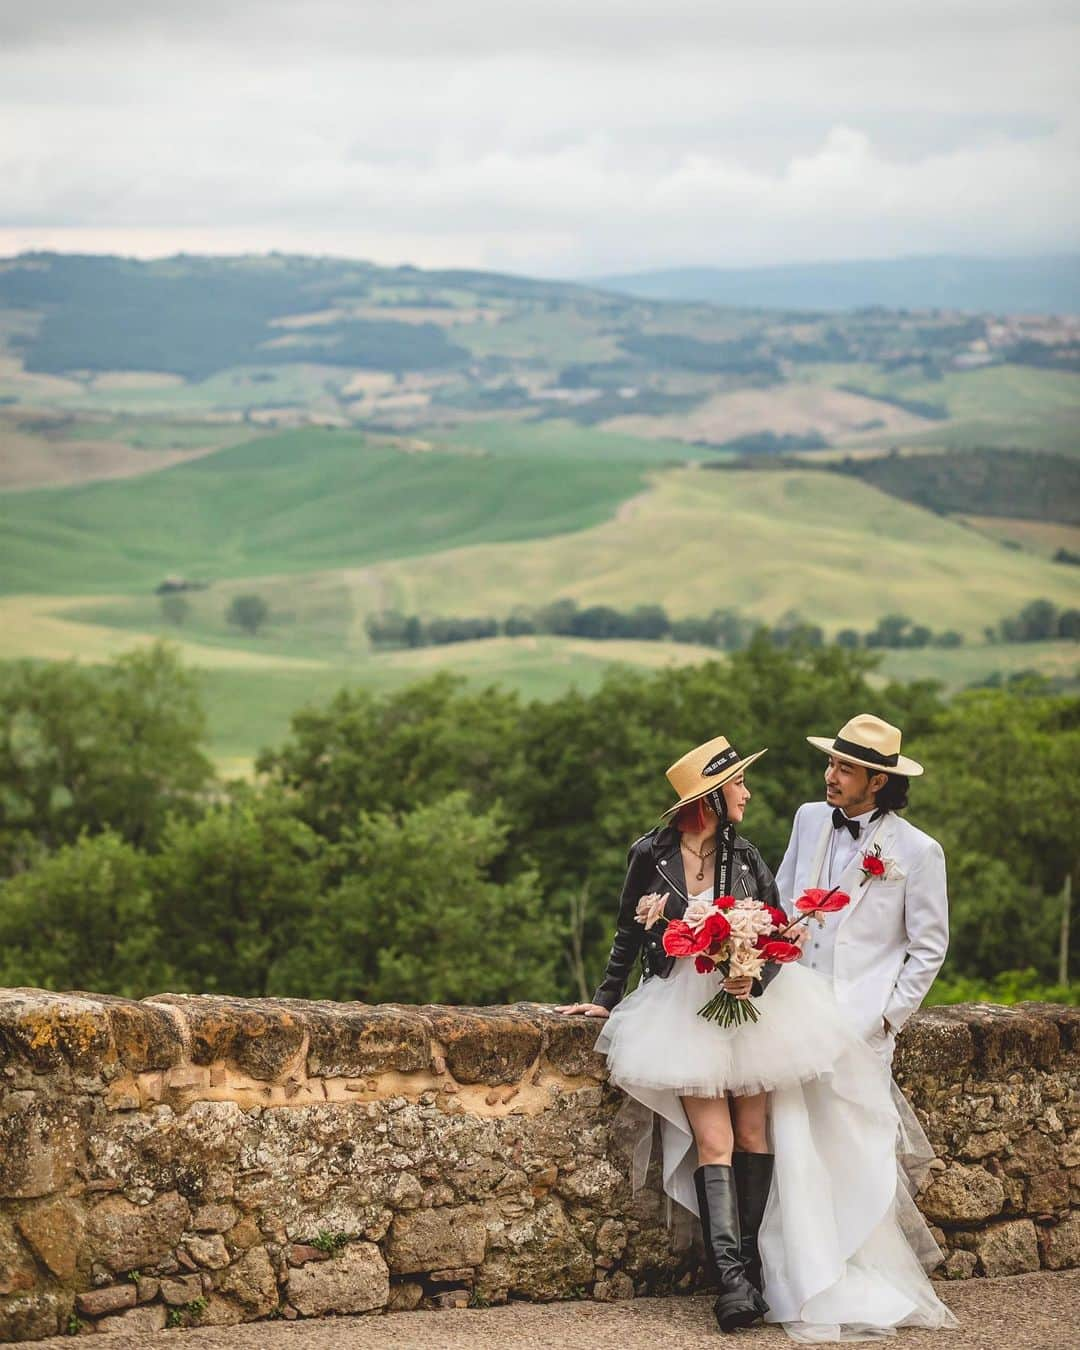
column 696, row 912
column 650, row 907
column 749, row 922
column 745, row 961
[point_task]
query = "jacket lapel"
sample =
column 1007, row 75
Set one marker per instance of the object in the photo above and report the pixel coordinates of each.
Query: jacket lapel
column 818, row 865
column 670, row 866
column 852, row 880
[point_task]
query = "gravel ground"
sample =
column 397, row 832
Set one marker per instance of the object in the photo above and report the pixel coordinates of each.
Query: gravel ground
column 1026, row 1312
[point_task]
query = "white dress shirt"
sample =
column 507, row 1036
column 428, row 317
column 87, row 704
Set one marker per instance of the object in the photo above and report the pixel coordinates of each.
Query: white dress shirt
column 842, row 848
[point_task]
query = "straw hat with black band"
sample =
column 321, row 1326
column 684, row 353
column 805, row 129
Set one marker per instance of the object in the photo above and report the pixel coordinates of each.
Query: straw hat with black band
column 705, row 769
column 870, row 742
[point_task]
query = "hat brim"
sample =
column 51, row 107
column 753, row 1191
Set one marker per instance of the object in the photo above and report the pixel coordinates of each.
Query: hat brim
column 721, row 778
column 910, row 768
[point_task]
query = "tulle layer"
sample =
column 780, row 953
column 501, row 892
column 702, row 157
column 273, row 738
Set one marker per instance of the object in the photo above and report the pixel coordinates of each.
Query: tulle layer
column 655, row 1039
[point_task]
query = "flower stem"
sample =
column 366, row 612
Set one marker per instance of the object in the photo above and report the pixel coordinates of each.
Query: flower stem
column 728, row 1011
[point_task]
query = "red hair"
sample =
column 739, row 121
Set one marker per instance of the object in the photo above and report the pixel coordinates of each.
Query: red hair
column 694, row 817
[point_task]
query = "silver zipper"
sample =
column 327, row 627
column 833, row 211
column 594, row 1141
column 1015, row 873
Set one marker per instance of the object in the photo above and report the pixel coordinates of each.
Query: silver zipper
column 671, row 883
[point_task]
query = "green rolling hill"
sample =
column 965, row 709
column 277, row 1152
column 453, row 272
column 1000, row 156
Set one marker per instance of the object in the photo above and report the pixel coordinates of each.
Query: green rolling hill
column 289, row 503
column 341, row 439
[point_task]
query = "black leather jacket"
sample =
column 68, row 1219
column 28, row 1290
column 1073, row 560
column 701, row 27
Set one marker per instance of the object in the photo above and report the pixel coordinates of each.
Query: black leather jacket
column 654, row 863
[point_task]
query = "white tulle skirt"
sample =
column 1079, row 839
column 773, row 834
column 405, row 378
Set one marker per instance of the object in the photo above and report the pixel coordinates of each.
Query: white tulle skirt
column 844, row 1249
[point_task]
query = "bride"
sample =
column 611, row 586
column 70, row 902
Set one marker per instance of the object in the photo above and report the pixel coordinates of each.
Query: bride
column 783, row 1134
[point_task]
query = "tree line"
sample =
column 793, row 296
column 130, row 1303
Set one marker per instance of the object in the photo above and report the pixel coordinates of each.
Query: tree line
column 1039, row 621
column 725, row 629
column 456, row 845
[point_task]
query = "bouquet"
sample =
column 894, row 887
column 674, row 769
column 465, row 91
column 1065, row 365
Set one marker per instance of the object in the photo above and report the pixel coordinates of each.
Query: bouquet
column 738, row 938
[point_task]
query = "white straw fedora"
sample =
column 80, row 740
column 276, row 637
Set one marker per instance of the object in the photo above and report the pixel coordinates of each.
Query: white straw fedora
column 706, row 768
column 869, row 741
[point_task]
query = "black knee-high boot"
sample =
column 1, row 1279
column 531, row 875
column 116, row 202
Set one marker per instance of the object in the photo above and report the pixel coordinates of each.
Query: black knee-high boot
column 739, row 1304
column 753, row 1178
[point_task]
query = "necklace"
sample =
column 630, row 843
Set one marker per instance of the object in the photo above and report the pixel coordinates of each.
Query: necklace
column 700, row 857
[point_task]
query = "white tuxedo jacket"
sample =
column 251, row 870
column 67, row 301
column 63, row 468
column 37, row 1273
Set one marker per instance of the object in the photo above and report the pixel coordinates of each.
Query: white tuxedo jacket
column 892, row 938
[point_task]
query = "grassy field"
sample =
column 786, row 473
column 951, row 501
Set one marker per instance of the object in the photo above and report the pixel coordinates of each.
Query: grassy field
column 1002, row 405
column 1055, row 432
column 331, row 526
column 558, row 438
column 789, row 409
column 253, row 688
column 551, row 335
column 988, row 391
column 251, row 709
column 963, row 666
column 764, row 543
column 153, row 433
column 236, row 389
column 289, row 503
column 1043, row 537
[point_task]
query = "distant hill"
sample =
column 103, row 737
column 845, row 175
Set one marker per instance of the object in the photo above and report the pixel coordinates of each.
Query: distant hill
column 1045, row 285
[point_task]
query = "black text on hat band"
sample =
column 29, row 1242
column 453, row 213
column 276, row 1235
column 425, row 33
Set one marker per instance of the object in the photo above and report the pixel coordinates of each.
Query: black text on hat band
column 720, row 762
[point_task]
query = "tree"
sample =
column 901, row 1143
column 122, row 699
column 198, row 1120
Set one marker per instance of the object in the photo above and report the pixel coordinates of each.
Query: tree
column 1002, row 793
column 891, row 631
column 368, row 752
column 1036, row 622
column 519, row 625
column 417, row 918
column 918, row 636
column 557, row 617
column 248, row 612
column 85, row 749
column 175, row 607
column 235, row 895
column 1069, row 624
column 81, row 918
column 650, row 622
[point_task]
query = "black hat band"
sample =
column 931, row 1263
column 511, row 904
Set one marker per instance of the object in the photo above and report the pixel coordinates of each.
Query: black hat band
column 852, row 751
column 720, row 762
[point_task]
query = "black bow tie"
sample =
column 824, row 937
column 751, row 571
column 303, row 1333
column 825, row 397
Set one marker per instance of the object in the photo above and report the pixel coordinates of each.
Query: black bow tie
column 842, row 822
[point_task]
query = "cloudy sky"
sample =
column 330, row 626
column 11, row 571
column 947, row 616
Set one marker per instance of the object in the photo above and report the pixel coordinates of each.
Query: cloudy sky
column 552, row 137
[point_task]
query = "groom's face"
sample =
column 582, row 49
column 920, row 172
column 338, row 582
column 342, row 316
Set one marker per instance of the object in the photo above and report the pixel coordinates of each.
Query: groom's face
column 849, row 786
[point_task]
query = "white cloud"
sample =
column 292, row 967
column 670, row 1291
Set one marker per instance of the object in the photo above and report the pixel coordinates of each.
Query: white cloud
column 552, row 139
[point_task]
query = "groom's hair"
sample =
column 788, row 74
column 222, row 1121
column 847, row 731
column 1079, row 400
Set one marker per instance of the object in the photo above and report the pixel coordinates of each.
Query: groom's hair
column 894, row 795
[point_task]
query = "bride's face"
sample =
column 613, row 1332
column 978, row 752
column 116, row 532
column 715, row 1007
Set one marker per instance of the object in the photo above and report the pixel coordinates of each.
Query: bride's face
column 736, row 794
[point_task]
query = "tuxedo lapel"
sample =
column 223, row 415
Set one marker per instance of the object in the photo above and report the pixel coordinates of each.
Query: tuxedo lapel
column 817, row 866
column 852, row 882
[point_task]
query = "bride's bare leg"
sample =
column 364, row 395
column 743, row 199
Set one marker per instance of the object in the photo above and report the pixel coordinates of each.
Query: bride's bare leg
column 710, row 1121
column 751, row 1122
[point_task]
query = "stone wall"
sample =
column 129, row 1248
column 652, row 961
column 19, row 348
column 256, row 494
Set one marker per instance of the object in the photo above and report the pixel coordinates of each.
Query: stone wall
column 211, row 1160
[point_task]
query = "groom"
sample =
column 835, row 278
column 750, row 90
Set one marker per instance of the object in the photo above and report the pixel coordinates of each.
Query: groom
column 883, row 951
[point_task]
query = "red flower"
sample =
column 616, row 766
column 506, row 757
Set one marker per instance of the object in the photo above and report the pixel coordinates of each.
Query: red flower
column 872, row 865
column 822, row 902
column 780, row 951
column 703, row 965
column 778, row 916
column 717, row 928
column 724, row 901
column 681, row 940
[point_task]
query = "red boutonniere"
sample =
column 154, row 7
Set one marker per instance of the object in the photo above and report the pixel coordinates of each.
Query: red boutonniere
column 873, row 865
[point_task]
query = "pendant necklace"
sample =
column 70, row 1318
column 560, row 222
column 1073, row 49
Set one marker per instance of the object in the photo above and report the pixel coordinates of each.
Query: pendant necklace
column 701, row 858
